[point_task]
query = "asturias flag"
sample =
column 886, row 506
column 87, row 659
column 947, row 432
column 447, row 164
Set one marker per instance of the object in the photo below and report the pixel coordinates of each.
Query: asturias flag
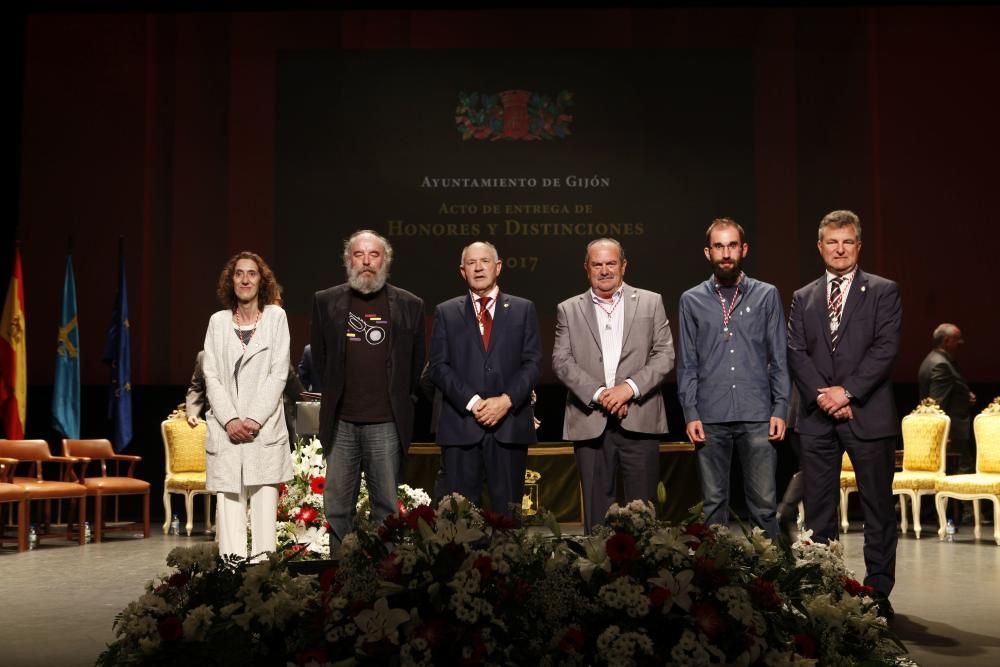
column 118, row 353
column 13, row 356
column 66, row 396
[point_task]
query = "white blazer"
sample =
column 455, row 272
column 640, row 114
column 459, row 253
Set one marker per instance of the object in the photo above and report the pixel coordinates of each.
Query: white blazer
column 254, row 393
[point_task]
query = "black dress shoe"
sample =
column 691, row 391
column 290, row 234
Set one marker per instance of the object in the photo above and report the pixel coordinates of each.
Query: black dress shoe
column 884, row 607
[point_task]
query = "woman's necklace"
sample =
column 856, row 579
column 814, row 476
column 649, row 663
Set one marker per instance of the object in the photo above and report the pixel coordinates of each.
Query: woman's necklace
column 239, row 328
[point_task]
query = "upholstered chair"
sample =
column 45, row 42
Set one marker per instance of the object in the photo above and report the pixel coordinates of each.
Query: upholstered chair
column 925, row 438
column 848, row 485
column 984, row 484
column 184, row 449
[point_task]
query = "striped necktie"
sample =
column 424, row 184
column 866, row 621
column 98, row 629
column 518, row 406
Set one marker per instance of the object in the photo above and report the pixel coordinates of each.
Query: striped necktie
column 834, row 307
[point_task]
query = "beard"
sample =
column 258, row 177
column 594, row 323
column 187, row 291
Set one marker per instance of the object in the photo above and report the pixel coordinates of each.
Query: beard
column 728, row 276
column 367, row 281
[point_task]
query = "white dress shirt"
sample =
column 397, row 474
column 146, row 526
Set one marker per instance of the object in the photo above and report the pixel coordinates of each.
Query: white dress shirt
column 612, row 330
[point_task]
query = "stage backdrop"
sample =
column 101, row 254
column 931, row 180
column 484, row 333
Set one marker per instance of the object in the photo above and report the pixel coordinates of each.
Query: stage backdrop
column 536, row 151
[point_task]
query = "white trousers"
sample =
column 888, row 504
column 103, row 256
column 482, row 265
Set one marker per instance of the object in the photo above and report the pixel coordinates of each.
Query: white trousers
column 231, row 521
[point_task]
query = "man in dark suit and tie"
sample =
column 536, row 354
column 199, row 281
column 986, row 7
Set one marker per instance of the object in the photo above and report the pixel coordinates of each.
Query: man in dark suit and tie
column 367, row 345
column 843, row 337
column 485, row 360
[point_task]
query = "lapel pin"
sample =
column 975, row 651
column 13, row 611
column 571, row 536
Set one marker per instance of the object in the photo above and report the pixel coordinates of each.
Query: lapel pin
column 633, row 295
column 506, row 305
column 748, row 309
column 864, row 287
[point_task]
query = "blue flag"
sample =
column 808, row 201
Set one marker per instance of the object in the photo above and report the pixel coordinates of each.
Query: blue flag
column 118, row 353
column 66, row 394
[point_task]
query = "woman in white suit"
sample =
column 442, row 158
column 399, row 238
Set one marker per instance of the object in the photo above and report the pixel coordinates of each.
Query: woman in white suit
column 246, row 366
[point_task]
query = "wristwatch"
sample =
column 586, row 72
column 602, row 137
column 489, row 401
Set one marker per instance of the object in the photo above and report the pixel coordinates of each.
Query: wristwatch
column 848, row 394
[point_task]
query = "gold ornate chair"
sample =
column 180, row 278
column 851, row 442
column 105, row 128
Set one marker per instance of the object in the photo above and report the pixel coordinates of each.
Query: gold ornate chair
column 184, row 448
column 34, row 454
column 985, row 483
column 101, row 486
column 12, row 493
column 925, row 438
column 848, row 485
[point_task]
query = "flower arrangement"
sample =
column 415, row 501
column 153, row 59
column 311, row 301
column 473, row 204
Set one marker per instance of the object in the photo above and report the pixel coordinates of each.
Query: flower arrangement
column 302, row 526
column 453, row 585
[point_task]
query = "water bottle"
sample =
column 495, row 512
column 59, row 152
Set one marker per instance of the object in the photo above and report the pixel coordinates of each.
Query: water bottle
column 32, row 537
column 87, row 535
column 949, row 531
column 175, row 526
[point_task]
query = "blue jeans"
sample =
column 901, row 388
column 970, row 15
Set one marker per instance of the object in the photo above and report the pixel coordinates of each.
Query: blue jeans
column 373, row 449
column 759, row 461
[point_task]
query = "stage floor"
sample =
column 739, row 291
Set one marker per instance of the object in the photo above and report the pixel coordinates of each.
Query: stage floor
column 57, row 603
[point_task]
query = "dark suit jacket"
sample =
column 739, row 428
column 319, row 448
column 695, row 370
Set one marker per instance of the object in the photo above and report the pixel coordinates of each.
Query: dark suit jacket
column 460, row 368
column 866, row 352
column 310, row 379
column 938, row 378
column 406, row 358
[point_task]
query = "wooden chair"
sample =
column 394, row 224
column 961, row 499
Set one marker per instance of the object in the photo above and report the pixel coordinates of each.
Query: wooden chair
column 13, row 493
column 925, row 439
column 184, row 449
column 33, row 454
column 101, row 486
column 848, row 485
column 985, row 483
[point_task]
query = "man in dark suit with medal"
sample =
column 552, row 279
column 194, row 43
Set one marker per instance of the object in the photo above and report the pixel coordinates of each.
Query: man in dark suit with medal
column 485, row 360
column 843, row 338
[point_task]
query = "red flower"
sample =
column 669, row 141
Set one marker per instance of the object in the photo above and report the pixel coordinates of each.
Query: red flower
column 658, row 596
column 282, row 489
column 432, row 631
column 700, row 531
column 306, row 515
column 621, row 547
column 708, row 574
column 316, row 655
column 498, row 521
column 390, row 569
column 401, row 508
column 805, row 646
column 317, row 484
column 485, row 566
column 855, row 588
column 169, row 628
column 572, row 640
column 422, row 512
column 708, row 619
column 765, row 594
column 179, row 579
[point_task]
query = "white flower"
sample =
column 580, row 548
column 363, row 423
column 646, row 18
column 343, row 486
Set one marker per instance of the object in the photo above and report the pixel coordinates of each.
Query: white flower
column 381, row 622
column 679, row 586
column 197, row 623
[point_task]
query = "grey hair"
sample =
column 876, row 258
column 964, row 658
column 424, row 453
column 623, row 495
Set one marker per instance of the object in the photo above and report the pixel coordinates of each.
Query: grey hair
column 614, row 242
column 941, row 332
column 838, row 219
column 386, row 246
column 496, row 255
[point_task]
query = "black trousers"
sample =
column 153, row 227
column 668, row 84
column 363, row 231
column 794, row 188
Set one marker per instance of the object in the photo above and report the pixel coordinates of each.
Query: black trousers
column 874, row 465
column 598, row 460
column 502, row 464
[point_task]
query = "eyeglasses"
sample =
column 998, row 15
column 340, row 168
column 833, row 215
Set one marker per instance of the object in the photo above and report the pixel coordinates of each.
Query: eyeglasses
column 733, row 246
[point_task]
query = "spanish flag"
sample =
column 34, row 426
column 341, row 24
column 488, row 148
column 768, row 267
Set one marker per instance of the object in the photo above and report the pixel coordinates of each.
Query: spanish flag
column 13, row 356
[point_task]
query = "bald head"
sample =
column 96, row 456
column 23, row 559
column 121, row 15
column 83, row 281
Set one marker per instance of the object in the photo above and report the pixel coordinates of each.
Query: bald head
column 947, row 337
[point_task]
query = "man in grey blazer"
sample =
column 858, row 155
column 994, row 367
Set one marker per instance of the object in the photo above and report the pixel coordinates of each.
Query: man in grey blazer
column 613, row 350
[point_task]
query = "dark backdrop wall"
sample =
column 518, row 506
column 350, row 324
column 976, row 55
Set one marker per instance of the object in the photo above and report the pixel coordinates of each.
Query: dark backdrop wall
column 164, row 129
